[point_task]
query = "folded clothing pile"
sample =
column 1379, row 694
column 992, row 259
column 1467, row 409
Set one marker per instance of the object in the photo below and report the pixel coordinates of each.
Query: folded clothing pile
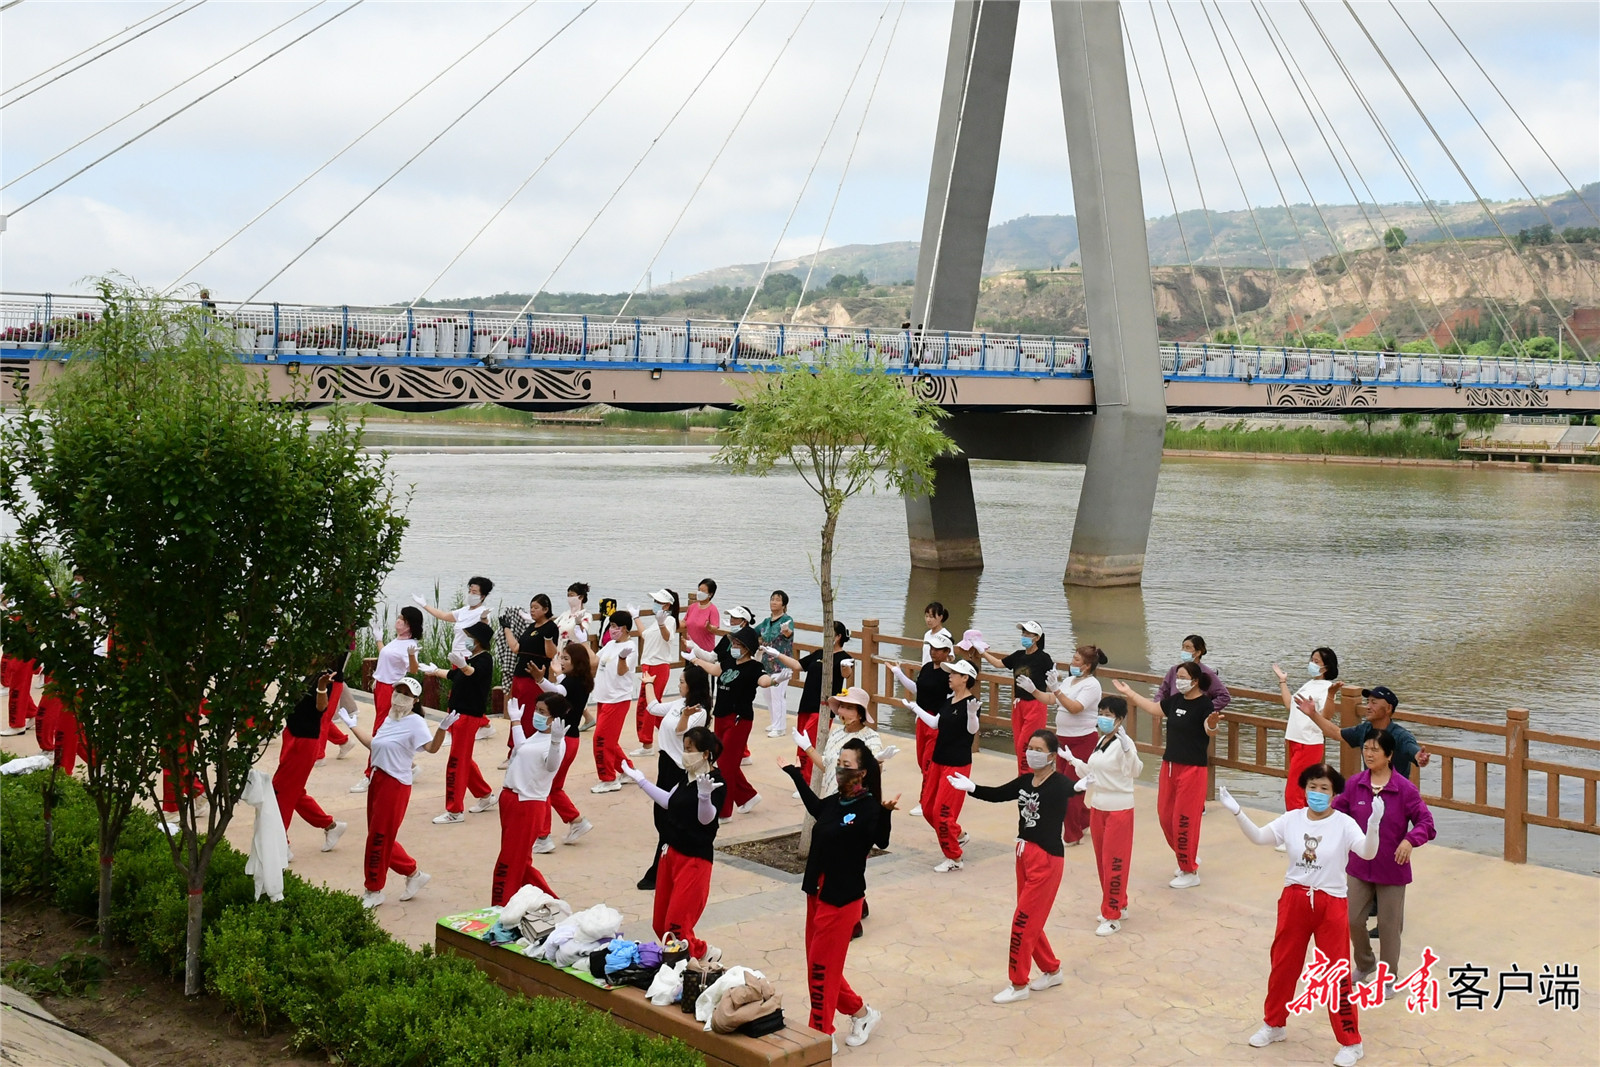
column 742, row 1000
column 579, row 936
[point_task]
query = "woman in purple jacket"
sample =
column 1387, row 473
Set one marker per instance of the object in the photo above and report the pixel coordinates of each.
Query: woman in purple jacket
column 1194, row 649
column 1407, row 823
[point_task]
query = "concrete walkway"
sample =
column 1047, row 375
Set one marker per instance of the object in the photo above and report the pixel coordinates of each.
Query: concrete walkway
column 30, row 1036
column 1181, row 983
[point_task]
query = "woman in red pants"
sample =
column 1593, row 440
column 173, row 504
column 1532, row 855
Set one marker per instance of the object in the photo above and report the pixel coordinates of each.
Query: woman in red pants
column 1302, row 736
column 1109, row 773
column 614, row 680
column 297, row 753
column 404, row 733
column 537, row 734
column 683, row 881
column 957, row 726
column 1313, row 904
column 658, row 641
column 735, row 715
column 1041, row 796
column 532, row 653
column 1077, row 699
column 1030, row 666
column 574, row 682
column 470, row 681
column 396, row 660
column 849, row 824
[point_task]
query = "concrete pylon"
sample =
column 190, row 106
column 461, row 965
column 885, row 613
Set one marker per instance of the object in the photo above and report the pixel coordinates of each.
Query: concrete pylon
column 1123, row 458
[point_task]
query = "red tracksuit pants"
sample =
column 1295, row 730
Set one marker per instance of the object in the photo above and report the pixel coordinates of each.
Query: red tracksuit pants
column 1077, row 822
column 560, row 803
column 67, row 741
column 941, row 806
column 461, row 773
column 1301, row 756
column 926, row 736
column 608, row 739
column 1180, row 800
column 644, row 726
column 806, row 724
column 387, row 798
column 735, row 735
column 18, row 678
column 1305, row 914
column 169, row 792
column 1027, row 715
column 1112, row 832
column 828, row 932
column 382, row 699
column 295, row 758
column 518, row 831
column 1038, row 878
column 526, row 692
column 330, row 729
column 683, row 885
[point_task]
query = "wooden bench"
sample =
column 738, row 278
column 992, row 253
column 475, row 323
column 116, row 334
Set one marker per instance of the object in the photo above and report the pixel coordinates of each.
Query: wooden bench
column 790, row 1047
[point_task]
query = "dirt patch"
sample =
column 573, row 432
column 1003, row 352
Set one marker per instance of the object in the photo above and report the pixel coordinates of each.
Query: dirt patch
column 134, row 1011
column 781, row 852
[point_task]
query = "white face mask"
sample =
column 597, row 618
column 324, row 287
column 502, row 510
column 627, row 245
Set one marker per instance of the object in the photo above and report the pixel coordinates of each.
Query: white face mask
column 701, row 595
column 1039, row 760
column 473, row 600
column 401, row 705
column 695, row 764
column 574, row 603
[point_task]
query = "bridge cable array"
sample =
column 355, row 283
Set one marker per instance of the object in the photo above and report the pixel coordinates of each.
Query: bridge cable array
column 84, row 51
column 98, row 56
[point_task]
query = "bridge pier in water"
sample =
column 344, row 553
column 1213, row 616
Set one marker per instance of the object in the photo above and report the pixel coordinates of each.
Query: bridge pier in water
column 1121, row 445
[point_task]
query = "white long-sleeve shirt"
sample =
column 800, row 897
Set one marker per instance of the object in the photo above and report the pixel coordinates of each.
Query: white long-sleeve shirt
column 534, row 763
column 667, row 735
column 1115, row 770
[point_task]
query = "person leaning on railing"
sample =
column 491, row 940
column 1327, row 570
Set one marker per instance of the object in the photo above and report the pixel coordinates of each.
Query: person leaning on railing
column 1377, row 716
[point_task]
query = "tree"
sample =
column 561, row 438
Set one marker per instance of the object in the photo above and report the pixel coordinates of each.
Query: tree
column 1394, row 239
column 1361, row 418
column 1444, row 424
column 226, row 548
column 843, row 425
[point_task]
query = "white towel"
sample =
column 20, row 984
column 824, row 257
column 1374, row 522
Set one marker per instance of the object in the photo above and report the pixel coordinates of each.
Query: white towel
column 269, row 847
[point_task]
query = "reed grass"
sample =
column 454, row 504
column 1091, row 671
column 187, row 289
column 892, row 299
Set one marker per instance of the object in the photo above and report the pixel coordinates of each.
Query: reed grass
column 1396, row 443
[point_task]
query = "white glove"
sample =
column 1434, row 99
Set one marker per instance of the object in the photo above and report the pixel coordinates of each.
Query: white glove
column 705, row 785
column 631, row 771
column 980, row 645
column 961, row 782
column 427, row 668
column 419, row 602
column 1025, row 683
column 691, row 648
column 767, row 650
column 633, row 609
column 377, row 633
column 449, row 720
column 1052, row 681
column 847, row 664
column 889, row 753
column 1377, row 808
column 625, row 651
column 558, row 729
column 801, row 741
column 344, row 716
column 1227, row 800
column 1125, row 741
column 910, row 705
column 1084, row 783
column 457, row 659
column 514, row 709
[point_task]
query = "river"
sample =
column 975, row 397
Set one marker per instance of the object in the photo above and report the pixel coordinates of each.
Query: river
column 1466, row 591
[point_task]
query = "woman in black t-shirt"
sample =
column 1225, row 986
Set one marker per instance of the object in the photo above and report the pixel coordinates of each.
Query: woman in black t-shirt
column 683, row 880
column 1041, row 796
column 298, row 754
column 1028, row 712
column 531, row 650
column 1181, row 794
column 957, row 726
column 735, row 714
column 471, row 678
column 849, row 823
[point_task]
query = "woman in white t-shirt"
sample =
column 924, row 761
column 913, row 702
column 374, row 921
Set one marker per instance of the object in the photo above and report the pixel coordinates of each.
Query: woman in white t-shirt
column 658, row 647
column 574, row 625
column 537, row 747
column 402, row 735
column 1110, row 771
column 396, row 660
column 1077, row 698
column 1313, row 904
column 1302, row 735
column 935, row 615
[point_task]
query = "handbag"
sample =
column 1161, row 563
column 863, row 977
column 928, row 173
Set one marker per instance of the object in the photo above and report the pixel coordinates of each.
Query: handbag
column 698, row 976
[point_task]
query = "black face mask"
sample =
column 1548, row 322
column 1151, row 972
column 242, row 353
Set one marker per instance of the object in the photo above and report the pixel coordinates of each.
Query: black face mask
column 850, row 779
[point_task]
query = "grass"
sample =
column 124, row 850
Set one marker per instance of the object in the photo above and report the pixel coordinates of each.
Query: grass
column 1395, row 443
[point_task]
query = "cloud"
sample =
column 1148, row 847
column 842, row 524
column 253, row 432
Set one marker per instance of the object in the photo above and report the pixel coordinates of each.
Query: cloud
column 156, row 207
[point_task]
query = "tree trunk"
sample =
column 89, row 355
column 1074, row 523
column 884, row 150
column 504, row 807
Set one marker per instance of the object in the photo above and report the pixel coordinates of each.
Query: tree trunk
column 191, row 959
column 825, row 573
column 103, row 916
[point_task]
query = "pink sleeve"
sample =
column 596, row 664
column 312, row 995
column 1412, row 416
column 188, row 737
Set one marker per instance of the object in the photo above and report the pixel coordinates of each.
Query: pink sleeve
column 713, row 618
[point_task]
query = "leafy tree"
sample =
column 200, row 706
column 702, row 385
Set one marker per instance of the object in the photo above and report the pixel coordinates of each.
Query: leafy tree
column 1361, row 418
column 1537, row 347
column 1444, row 424
column 1318, row 339
column 226, row 548
column 1481, row 422
column 843, row 425
column 1541, row 234
column 1411, row 421
column 1394, row 239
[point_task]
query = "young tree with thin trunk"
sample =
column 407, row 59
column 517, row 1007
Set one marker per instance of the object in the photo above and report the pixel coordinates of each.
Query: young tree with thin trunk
column 844, row 425
column 226, row 548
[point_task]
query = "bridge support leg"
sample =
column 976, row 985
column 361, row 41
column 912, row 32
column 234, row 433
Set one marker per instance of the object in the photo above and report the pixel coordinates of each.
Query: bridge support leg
column 955, row 226
column 1112, row 529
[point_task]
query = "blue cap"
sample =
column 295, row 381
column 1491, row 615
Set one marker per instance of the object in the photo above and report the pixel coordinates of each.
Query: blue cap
column 1383, row 692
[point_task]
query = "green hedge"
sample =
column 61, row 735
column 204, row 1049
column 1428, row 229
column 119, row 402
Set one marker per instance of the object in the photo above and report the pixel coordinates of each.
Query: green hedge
column 314, row 965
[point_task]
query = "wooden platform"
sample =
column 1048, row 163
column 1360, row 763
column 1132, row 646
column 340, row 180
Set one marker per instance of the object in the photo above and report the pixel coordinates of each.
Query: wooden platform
column 793, row 1046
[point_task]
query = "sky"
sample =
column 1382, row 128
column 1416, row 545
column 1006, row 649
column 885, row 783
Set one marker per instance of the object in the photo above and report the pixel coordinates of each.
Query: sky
column 705, row 134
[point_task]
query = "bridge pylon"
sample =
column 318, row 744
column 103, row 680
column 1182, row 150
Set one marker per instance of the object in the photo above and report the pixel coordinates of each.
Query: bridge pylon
column 1123, row 455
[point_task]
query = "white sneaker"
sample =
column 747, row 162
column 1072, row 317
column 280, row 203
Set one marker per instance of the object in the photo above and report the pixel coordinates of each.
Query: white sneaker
column 795, row 795
column 371, row 899
column 360, row 787
column 344, row 749
column 449, row 817
column 1072, row 844
column 776, row 733
column 915, row 811
column 606, row 787
column 1348, row 1055
column 13, row 731
column 1268, row 1034
column 331, row 835
column 748, row 806
column 320, row 762
column 414, row 884
column 861, row 1027
column 487, row 803
column 964, row 838
column 1107, row 927
column 1179, row 870
column 543, row 845
column 1186, row 881
column 835, row 1042
column 1046, row 981
column 713, row 955
column 636, row 753
column 289, row 856
column 485, row 733
column 1360, row 977
column 947, row 866
column 747, row 761
column 1011, row 994
column 577, row 830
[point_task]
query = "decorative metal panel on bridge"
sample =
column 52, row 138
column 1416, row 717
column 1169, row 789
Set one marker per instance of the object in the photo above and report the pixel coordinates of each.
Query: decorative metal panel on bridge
column 1302, row 395
column 449, row 385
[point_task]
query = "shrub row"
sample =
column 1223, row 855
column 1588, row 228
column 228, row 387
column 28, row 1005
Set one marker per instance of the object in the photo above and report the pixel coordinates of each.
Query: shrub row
column 314, row 965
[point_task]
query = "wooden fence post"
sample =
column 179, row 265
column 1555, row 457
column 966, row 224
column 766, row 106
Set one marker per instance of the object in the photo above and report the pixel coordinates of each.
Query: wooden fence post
column 430, row 692
column 1516, row 796
column 868, row 674
column 368, row 666
column 1346, row 715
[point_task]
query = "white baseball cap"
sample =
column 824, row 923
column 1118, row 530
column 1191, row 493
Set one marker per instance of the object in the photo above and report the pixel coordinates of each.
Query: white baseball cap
column 739, row 611
column 1031, row 627
column 960, row 666
column 661, row 596
column 410, row 685
column 940, row 641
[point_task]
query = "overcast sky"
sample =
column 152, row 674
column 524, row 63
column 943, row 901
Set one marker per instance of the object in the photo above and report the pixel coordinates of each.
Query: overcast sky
column 154, row 208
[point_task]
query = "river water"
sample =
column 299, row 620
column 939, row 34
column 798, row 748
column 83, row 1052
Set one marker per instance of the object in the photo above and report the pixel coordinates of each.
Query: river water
column 1466, row 591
